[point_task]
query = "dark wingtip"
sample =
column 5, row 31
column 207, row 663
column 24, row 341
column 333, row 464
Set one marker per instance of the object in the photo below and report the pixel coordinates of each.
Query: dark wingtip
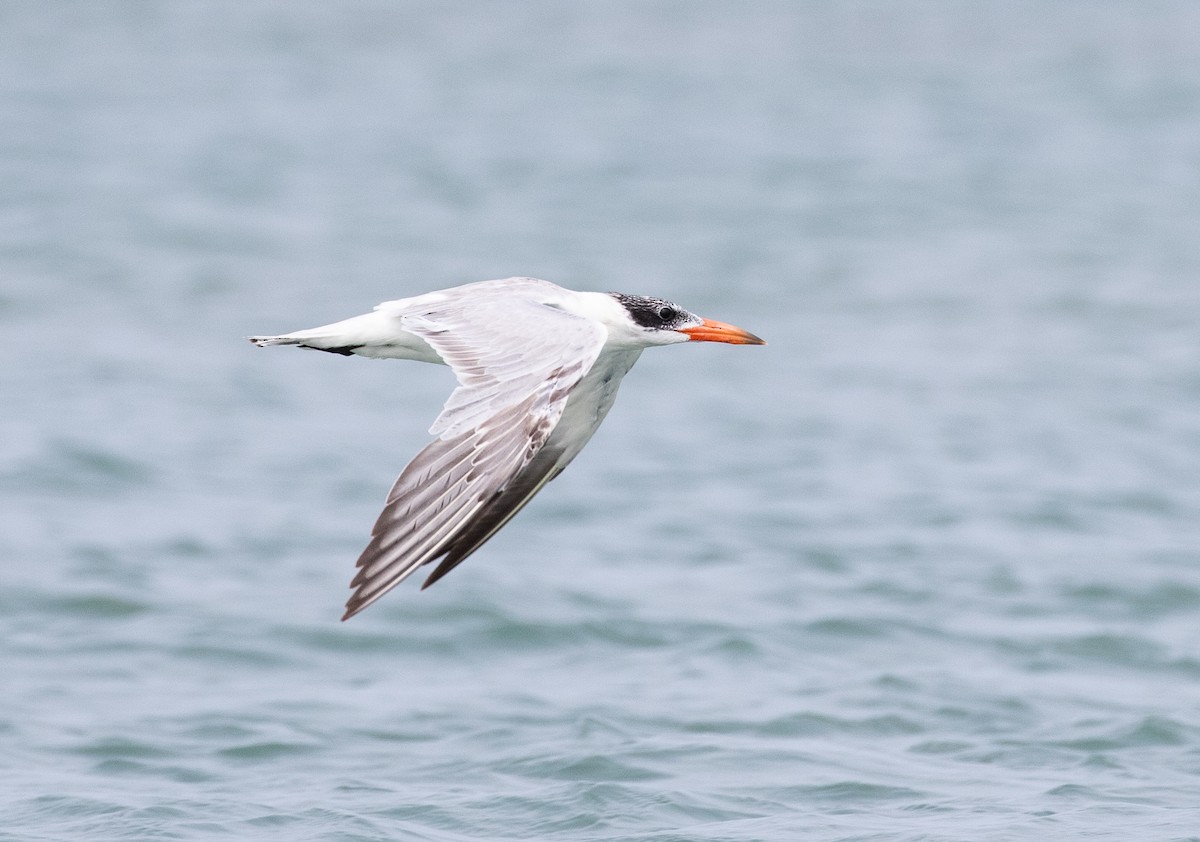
column 353, row 605
column 433, row 577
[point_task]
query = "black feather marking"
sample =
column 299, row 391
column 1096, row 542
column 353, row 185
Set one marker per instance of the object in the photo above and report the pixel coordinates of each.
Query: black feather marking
column 653, row 313
column 344, row 350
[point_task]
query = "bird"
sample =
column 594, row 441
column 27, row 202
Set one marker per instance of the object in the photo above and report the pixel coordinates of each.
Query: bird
column 538, row 367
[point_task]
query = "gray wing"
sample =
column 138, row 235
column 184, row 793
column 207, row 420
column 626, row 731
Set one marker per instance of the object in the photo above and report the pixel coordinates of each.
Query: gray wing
column 517, row 358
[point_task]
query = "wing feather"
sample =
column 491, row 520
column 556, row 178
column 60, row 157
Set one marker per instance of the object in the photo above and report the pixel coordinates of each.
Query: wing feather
column 517, row 358
column 502, row 508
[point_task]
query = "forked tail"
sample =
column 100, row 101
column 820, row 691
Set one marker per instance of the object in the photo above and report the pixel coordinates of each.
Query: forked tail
column 316, row 342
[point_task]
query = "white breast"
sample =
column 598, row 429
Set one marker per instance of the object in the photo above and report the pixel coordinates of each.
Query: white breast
column 591, row 400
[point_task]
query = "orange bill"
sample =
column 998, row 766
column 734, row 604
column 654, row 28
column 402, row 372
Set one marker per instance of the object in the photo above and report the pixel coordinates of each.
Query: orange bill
column 713, row 331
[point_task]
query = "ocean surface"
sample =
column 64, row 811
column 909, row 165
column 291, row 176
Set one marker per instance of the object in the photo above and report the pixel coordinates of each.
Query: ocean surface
column 927, row 567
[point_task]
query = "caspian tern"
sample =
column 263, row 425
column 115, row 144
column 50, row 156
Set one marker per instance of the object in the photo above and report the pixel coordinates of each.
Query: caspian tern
column 538, row 368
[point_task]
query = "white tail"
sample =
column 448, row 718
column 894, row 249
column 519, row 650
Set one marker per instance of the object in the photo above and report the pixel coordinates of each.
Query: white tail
column 376, row 334
column 263, row 341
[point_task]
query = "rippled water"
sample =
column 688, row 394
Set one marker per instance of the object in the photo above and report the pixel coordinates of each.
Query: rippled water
column 926, row 567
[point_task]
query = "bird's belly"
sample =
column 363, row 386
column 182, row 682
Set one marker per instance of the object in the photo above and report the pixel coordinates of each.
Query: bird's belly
column 590, row 402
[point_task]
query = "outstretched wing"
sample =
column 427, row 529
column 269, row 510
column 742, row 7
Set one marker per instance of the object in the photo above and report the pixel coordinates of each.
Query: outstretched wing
column 517, row 357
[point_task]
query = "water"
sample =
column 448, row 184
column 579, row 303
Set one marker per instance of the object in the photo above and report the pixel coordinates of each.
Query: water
column 926, row 567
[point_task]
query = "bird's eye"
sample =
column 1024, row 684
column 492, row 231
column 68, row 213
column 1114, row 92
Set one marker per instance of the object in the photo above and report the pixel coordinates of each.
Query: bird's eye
column 667, row 314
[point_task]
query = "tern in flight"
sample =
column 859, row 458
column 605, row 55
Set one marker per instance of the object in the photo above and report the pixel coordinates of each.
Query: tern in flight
column 538, row 368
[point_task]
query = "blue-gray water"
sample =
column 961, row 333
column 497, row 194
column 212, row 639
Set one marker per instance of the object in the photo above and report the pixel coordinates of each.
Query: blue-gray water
column 925, row 567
